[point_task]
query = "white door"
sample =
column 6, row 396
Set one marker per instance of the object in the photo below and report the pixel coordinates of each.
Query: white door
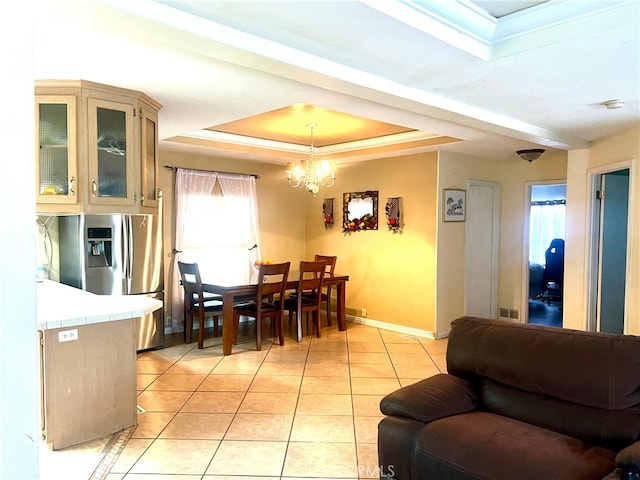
column 481, row 250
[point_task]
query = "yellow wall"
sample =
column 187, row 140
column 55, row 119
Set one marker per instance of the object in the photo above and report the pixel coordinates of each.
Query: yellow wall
column 392, row 275
column 455, row 171
column 614, row 152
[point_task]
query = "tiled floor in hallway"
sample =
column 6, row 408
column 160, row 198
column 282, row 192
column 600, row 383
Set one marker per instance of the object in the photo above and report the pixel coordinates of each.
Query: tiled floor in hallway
column 303, row 410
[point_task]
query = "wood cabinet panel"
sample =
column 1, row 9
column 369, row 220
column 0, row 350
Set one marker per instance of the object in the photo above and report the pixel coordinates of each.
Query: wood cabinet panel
column 89, row 383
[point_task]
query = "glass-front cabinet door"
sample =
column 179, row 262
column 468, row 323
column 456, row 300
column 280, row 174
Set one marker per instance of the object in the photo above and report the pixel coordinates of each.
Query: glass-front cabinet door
column 149, row 157
column 56, row 168
column 111, row 145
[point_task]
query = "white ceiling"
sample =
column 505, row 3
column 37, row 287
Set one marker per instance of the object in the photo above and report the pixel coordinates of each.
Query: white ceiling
column 502, row 76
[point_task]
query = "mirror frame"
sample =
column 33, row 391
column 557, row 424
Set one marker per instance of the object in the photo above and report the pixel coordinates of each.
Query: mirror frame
column 366, row 222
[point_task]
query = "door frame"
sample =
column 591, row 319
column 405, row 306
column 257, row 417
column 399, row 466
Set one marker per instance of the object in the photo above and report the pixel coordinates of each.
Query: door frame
column 593, row 242
column 526, row 219
column 495, row 215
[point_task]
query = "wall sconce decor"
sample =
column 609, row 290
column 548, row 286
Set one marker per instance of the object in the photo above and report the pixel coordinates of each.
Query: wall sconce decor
column 454, row 205
column 327, row 213
column 392, row 211
column 360, row 211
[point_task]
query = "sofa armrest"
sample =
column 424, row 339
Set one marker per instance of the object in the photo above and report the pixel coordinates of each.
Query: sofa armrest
column 627, row 463
column 629, row 456
column 436, row 397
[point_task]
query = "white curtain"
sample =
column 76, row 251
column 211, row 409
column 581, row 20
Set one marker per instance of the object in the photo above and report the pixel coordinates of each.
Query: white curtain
column 216, row 227
column 546, row 222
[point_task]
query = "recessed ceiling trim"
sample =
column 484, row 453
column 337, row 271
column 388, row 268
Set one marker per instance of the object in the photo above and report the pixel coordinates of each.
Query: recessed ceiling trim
column 233, row 139
column 388, row 140
column 568, row 18
column 455, row 23
column 469, row 28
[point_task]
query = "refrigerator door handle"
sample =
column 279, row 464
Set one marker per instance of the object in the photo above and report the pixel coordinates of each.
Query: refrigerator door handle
column 124, row 242
column 127, row 259
column 131, row 252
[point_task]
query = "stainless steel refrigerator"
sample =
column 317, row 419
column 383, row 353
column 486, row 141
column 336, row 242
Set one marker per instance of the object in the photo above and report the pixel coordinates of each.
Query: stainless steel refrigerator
column 116, row 255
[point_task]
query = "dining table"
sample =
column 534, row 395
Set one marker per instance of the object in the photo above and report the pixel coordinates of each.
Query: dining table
column 230, row 293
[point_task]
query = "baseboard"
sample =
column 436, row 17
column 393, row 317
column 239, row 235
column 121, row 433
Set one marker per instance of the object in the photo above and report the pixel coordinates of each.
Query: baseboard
column 414, row 332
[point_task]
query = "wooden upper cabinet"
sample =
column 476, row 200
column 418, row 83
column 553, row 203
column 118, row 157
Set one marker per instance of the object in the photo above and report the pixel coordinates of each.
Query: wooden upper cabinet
column 56, row 150
column 111, row 140
column 109, row 161
column 149, row 157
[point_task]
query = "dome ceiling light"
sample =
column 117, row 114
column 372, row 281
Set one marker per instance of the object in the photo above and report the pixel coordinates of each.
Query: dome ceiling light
column 613, row 104
column 531, row 154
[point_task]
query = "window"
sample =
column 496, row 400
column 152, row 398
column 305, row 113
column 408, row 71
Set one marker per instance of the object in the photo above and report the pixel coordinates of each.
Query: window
column 217, row 228
column 546, row 222
column 220, row 238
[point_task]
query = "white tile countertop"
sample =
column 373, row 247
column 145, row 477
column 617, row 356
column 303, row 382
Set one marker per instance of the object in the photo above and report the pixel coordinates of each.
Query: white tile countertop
column 61, row 306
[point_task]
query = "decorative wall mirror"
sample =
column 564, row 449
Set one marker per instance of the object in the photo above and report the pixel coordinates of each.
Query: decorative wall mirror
column 360, row 211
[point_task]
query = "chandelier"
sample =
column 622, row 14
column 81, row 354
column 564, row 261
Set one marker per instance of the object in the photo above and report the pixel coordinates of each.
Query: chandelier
column 310, row 173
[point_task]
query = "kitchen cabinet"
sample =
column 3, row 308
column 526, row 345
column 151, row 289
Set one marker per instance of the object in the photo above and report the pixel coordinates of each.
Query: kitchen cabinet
column 149, row 157
column 56, row 171
column 96, row 149
column 87, row 361
column 111, row 152
column 88, row 381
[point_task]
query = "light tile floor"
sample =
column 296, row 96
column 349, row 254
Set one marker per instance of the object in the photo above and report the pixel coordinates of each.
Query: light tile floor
column 303, row 410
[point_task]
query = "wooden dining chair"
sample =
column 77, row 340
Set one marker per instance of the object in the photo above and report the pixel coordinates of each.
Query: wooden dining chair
column 268, row 303
column 196, row 304
column 307, row 296
column 325, row 295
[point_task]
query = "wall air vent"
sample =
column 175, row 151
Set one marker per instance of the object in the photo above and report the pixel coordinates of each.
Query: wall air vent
column 506, row 313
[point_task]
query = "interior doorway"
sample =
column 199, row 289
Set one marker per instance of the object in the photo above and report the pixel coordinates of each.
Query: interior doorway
column 609, row 251
column 546, row 219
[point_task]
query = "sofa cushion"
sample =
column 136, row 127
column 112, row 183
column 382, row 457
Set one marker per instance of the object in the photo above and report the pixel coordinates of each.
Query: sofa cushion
column 482, row 445
column 594, row 369
column 613, row 429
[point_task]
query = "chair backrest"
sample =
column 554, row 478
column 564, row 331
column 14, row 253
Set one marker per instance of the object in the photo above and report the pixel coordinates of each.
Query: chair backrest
column 331, row 263
column 272, row 279
column 554, row 259
column 192, row 283
column 311, row 276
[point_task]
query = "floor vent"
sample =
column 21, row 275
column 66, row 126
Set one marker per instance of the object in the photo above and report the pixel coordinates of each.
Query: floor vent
column 507, row 313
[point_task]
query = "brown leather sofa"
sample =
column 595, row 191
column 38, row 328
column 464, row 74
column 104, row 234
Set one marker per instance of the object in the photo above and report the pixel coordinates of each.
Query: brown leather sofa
column 520, row 402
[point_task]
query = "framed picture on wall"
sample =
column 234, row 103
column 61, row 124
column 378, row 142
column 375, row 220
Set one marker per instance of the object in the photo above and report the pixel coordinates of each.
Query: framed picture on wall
column 454, row 205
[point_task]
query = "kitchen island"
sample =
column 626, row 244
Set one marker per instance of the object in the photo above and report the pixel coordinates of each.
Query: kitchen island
column 88, row 362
